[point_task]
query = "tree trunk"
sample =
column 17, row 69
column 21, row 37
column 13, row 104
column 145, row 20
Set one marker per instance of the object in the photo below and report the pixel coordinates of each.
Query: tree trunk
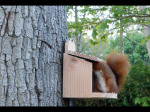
column 77, row 35
column 31, row 48
column 121, row 39
column 99, row 50
column 148, row 47
column 146, row 31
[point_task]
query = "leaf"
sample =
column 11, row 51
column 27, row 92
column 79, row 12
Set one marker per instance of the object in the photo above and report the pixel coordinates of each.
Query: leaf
column 107, row 21
column 102, row 26
column 145, row 104
column 104, row 8
column 148, row 98
column 91, row 42
column 92, row 26
column 145, row 99
column 86, row 7
column 115, row 15
column 94, row 33
column 120, row 9
column 112, row 9
column 84, row 33
column 145, row 39
column 147, row 22
column 138, row 100
column 111, row 33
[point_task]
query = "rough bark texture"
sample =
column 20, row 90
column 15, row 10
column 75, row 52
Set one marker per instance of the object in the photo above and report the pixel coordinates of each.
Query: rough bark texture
column 147, row 33
column 121, row 38
column 31, row 48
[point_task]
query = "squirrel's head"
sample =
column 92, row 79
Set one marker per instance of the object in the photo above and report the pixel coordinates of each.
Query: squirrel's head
column 97, row 66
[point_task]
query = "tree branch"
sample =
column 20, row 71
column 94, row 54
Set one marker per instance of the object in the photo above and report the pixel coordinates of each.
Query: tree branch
column 142, row 16
column 135, row 42
column 136, row 16
column 93, row 9
column 84, row 45
column 84, row 24
column 145, row 25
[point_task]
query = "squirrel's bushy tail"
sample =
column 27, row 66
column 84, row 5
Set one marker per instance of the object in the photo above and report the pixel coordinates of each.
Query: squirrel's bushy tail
column 120, row 66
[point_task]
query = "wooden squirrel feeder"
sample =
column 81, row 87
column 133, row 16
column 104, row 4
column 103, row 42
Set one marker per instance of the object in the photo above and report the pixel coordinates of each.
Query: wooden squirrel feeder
column 77, row 74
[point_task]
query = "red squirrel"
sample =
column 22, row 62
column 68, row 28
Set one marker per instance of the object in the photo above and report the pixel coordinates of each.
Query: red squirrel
column 110, row 75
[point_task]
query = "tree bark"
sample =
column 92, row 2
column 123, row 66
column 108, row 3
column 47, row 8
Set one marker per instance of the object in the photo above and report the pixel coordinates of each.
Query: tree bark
column 121, row 39
column 146, row 31
column 77, row 35
column 31, row 50
column 99, row 49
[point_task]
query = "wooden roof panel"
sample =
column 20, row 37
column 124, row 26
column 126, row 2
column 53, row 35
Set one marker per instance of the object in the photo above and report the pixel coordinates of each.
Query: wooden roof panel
column 84, row 56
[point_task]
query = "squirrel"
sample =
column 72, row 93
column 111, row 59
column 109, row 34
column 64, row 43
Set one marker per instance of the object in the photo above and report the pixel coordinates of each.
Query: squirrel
column 110, row 75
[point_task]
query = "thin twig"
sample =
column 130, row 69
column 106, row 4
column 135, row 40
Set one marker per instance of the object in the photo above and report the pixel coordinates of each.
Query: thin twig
column 135, row 42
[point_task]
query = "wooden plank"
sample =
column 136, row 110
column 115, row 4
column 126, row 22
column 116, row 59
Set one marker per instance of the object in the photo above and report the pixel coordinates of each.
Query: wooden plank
column 71, row 45
column 77, row 77
column 84, row 56
column 70, row 49
column 65, row 75
column 104, row 95
column 66, row 47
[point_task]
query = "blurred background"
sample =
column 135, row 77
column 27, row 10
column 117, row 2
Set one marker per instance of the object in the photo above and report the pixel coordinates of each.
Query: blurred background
column 97, row 30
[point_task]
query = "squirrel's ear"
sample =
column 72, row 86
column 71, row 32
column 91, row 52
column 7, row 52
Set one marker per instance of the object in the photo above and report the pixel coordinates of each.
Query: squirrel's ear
column 97, row 66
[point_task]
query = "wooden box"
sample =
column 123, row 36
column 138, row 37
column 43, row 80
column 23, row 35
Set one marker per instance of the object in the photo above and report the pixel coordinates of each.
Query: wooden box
column 77, row 74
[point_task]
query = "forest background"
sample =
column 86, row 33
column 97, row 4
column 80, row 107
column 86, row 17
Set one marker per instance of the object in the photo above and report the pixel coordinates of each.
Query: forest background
column 126, row 29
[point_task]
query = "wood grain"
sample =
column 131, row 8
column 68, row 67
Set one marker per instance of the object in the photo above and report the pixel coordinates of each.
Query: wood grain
column 104, row 95
column 77, row 77
column 84, row 56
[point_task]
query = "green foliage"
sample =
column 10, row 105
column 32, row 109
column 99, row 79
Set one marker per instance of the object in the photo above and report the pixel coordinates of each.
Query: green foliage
column 93, row 50
column 125, row 14
column 133, row 47
column 138, row 81
column 85, row 23
column 94, row 33
column 119, row 16
column 145, row 39
column 142, row 101
column 93, row 42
